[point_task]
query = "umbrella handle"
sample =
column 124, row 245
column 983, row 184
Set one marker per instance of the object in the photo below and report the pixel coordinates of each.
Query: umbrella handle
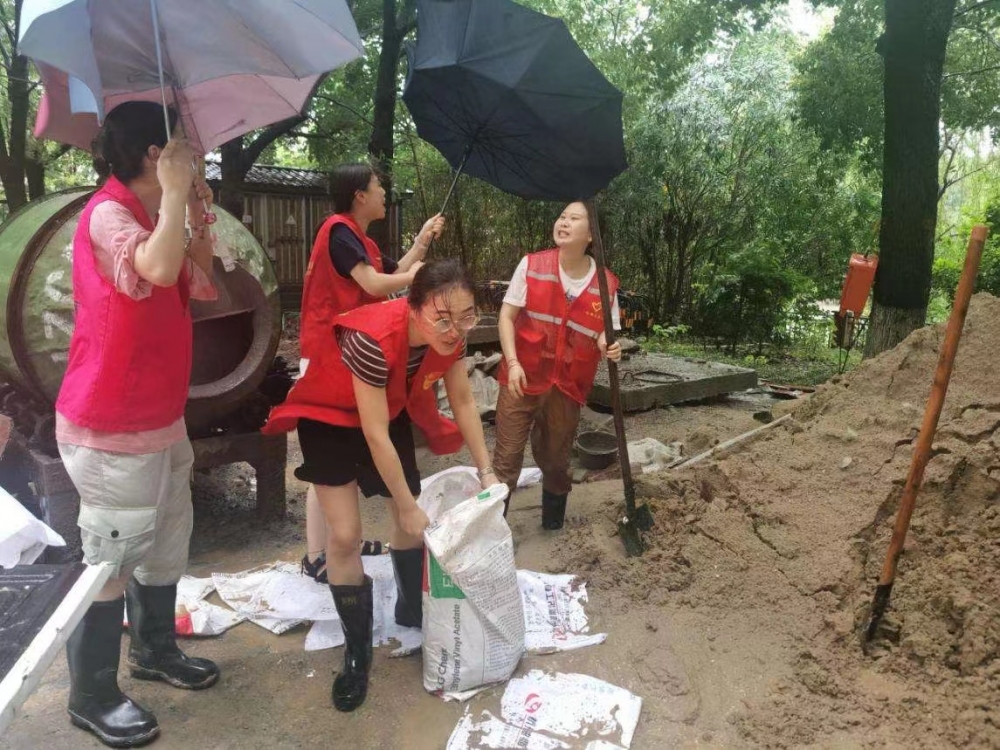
column 209, row 217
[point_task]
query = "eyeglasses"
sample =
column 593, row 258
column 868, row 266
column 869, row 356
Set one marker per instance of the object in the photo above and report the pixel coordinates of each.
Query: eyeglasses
column 444, row 325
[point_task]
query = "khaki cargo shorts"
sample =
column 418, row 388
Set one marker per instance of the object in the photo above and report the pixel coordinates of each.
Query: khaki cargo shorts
column 135, row 509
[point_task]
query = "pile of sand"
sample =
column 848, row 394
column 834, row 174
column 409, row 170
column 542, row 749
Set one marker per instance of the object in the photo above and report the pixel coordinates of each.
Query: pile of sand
column 795, row 527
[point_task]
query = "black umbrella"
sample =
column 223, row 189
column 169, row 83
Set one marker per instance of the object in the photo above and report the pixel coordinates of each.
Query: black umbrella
column 506, row 95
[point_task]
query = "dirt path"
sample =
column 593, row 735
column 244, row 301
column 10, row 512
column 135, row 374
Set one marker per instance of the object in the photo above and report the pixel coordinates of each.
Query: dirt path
column 275, row 695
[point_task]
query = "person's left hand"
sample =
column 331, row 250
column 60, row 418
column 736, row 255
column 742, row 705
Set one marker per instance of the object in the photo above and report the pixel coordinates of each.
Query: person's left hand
column 200, row 196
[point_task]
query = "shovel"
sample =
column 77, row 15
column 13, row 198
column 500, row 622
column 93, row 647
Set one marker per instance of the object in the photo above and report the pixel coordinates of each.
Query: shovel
column 922, row 450
column 639, row 519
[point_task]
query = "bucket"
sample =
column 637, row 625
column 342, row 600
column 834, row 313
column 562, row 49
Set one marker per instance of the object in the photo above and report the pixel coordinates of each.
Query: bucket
column 597, row 450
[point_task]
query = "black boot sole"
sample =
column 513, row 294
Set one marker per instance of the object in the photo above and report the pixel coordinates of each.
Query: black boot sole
column 154, row 675
column 347, row 707
column 141, row 739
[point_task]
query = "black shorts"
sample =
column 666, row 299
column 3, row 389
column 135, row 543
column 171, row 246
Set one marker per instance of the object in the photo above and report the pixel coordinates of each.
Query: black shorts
column 335, row 456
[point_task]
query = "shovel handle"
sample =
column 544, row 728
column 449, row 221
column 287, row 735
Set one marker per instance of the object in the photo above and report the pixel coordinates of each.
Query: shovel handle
column 935, row 402
column 609, row 337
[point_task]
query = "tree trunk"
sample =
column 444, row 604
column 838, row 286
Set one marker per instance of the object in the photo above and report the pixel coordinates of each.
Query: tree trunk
column 394, row 29
column 233, row 174
column 889, row 326
column 13, row 153
column 34, row 170
column 913, row 49
column 380, row 145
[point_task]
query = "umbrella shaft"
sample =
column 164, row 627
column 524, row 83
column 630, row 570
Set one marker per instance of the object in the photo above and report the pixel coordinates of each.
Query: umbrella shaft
column 159, row 64
column 454, row 182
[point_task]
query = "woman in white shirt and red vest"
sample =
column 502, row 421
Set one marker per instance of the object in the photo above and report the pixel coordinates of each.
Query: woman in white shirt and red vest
column 120, row 413
column 552, row 335
column 347, row 270
column 353, row 410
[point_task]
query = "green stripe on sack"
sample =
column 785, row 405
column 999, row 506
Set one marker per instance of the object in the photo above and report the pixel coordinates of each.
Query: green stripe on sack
column 441, row 585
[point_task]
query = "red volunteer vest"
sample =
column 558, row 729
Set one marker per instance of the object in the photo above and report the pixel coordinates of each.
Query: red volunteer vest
column 326, row 293
column 326, row 392
column 557, row 340
column 129, row 360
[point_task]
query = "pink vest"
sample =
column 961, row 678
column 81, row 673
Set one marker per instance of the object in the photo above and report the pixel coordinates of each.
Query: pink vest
column 129, row 361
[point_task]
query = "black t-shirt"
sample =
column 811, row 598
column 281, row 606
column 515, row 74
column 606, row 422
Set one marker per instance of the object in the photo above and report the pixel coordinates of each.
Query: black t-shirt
column 346, row 251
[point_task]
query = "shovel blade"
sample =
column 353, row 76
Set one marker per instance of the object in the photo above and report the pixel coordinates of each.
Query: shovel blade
column 634, row 546
column 642, row 519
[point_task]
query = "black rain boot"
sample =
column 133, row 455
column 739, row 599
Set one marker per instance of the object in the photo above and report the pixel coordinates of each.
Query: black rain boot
column 153, row 653
column 408, row 565
column 553, row 510
column 354, row 605
column 96, row 703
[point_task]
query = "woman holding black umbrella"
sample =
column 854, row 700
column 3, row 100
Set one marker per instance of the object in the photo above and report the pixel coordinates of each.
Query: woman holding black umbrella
column 346, row 270
column 552, row 335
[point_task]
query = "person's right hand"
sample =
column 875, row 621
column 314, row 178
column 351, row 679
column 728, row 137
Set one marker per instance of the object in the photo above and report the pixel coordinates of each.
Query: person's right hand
column 516, row 379
column 413, row 521
column 431, row 229
column 173, row 168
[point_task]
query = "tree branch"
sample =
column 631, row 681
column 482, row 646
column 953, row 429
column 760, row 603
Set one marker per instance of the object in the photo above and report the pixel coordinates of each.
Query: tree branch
column 57, row 154
column 989, row 69
column 353, row 111
column 975, row 7
column 406, row 28
column 310, row 136
column 253, row 151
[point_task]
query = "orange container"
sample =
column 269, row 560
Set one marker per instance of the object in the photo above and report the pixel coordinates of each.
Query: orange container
column 858, row 284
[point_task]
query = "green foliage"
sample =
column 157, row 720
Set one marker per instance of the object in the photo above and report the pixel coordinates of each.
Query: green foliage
column 840, row 80
column 750, row 304
column 974, row 200
column 839, row 83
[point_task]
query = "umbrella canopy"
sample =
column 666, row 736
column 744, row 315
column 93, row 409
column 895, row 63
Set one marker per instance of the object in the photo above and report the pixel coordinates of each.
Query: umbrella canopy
column 505, row 93
column 229, row 66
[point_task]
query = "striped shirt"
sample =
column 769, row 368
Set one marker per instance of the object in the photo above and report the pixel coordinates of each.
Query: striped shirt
column 364, row 358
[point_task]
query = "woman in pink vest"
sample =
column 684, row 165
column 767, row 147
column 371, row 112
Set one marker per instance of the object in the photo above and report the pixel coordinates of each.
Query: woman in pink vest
column 347, row 270
column 353, row 410
column 120, row 413
column 552, row 335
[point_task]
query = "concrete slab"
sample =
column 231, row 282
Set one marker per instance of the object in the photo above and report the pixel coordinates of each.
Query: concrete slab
column 652, row 380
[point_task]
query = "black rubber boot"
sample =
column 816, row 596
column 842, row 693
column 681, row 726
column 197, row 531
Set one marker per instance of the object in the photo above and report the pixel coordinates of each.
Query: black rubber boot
column 95, row 701
column 408, row 565
column 354, row 605
column 153, row 653
column 553, row 510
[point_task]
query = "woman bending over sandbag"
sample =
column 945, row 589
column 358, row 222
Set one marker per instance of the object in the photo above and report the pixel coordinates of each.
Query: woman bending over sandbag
column 347, row 270
column 353, row 410
column 552, row 335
